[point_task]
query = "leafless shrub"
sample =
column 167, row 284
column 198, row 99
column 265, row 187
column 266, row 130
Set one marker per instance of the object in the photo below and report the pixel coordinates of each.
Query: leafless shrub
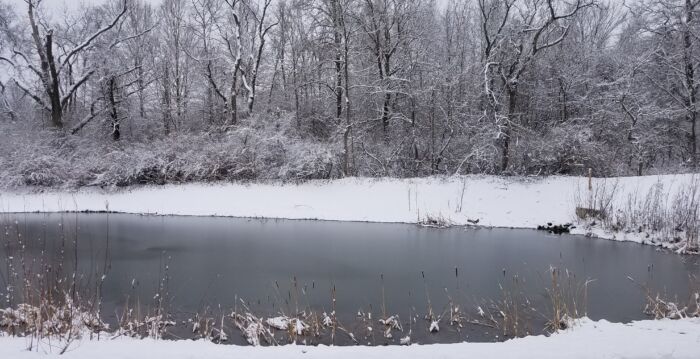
column 597, row 201
column 668, row 216
column 435, row 221
column 457, row 317
column 206, row 326
column 510, row 314
column 152, row 321
column 567, row 299
column 253, row 328
column 513, row 314
column 45, row 300
column 662, row 306
column 685, row 215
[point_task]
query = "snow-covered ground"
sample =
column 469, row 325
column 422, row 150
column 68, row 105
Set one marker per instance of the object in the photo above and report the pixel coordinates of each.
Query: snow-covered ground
column 494, row 201
column 596, row 340
column 490, row 200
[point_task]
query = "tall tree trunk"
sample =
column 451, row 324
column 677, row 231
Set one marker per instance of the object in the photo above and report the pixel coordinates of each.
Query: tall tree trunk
column 178, row 82
column 209, row 105
column 387, row 95
column 273, row 81
column 348, row 140
column 141, row 89
column 233, row 102
column 295, row 85
column 262, row 33
column 506, row 130
column 166, row 100
column 385, row 113
column 338, row 60
column 113, row 113
column 691, row 112
column 433, row 167
column 54, row 90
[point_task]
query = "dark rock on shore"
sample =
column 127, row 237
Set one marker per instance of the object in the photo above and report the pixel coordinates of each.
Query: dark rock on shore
column 557, row 229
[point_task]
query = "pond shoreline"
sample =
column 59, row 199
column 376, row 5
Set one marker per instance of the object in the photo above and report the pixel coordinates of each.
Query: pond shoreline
column 474, row 201
column 594, row 233
column 589, row 339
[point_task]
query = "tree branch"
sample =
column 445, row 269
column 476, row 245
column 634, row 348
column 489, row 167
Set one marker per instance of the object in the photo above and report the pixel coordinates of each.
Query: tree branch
column 33, row 96
column 87, row 42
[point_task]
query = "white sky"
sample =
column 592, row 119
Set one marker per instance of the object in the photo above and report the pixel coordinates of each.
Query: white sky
column 61, row 5
column 73, row 5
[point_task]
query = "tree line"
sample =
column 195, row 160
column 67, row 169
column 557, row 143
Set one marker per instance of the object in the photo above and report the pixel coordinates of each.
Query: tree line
column 387, row 87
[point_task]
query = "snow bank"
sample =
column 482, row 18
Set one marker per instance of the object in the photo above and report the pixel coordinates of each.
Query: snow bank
column 645, row 339
column 490, row 200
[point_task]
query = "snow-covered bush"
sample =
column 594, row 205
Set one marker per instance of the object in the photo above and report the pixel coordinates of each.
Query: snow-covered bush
column 564, row 149
column 258, row 149
column 43, row 171
column 50, row 319
column 307, row 162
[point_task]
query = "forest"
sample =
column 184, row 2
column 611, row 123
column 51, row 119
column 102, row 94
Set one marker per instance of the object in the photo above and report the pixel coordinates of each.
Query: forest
column 129, row 92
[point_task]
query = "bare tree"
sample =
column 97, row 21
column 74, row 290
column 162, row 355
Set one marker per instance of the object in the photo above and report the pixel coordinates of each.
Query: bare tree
column 234, row 46
column 512, row 41
column 49, row 67
column 385, row 26
column 206, row 16
column 673, row 29
column 261, row 33
column 368, row 87
column 175, row 37
column 142, row 23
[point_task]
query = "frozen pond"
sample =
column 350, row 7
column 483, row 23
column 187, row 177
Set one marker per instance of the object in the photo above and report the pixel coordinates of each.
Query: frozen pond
column 213, row 261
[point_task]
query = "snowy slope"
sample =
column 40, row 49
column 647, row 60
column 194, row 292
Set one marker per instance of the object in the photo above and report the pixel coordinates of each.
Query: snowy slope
column 494, row 201
column 595, row 340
